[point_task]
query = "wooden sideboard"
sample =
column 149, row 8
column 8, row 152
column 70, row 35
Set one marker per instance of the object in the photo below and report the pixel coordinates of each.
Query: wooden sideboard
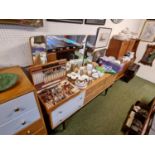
column 20, row 111
column 70, row 107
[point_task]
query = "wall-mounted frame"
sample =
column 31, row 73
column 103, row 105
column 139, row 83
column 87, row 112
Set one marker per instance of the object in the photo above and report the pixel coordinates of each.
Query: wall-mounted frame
column 148, row 31
column 23, row 22
column 116, row 21
column 95, row 21
column 102, row 37
column 74, row 21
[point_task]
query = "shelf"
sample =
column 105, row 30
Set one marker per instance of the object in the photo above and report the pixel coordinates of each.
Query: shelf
column 145, row 127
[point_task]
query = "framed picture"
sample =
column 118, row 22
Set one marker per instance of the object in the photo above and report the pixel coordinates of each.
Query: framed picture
column 95, row 21
column 75, row 21
column 102, row 37
column 23, row 22
column 148, row 31
column 116, row 21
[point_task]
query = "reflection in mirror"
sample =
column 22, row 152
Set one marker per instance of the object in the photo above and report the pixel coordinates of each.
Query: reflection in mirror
column 65, row 46
column 38, row 48
column 90, row 42
column 52, row 47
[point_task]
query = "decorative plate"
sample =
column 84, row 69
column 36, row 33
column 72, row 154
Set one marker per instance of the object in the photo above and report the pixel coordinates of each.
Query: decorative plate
column 7, row 80
column 116, row 21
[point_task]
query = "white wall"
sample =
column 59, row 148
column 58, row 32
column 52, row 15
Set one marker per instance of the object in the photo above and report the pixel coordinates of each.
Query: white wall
column 14, row 40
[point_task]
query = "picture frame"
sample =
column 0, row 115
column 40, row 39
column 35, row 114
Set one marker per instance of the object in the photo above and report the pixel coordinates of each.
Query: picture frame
column 102, row 37
column 23, row 22
column 148, row 31
column 116, row 21
column 73, row 21
column 95, row 21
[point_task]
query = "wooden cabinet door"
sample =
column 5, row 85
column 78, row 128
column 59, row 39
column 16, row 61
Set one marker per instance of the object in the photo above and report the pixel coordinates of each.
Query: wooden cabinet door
column 117, row 48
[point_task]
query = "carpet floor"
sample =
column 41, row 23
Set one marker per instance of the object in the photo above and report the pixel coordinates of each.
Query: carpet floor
column 105, row 115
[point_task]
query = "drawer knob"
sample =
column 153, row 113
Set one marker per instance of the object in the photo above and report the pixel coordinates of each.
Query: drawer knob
column 28, row 132
column 16, row 110
column 23, row 123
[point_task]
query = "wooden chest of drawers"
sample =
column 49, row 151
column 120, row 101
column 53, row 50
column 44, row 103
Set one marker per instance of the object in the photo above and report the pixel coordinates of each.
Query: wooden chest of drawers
column 19, row 109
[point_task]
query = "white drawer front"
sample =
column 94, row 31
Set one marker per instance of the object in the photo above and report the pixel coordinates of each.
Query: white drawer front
column 67, row 109
column 17, row 107
column 20, row 123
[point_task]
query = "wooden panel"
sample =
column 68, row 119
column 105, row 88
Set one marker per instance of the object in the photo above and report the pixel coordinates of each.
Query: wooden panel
column 98, row 86
column 51, row 57
column 131, row 44
column 117, row 48
column 30, row 130
column 22, row 87
column 41, row 131
column 123, row 49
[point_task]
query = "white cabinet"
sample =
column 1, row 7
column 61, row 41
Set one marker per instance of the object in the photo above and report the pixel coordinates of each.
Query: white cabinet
column 18, row 113
column 16, row 107
column 19, row 108
column 66, row 110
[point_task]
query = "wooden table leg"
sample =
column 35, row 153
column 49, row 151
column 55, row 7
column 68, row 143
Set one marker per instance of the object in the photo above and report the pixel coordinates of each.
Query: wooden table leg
column 64, row 125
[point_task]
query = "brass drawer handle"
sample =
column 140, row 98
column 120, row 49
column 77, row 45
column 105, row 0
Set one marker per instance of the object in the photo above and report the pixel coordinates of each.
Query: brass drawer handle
column 28, row 132
column 17, row 109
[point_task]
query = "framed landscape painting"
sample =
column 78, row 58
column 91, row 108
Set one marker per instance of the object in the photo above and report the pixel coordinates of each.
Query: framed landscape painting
column 102, row 38
column 148, row 31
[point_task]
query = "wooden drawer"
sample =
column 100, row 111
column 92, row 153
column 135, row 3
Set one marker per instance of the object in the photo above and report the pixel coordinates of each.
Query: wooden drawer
column 94, row 87
column 30, row 130
column 14, row 126
column 92, row 92
column 41, row 131
column 16, row 107
column 66, row 110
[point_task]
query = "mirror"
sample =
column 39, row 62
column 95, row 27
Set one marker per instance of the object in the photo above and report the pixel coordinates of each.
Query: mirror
column 38, row 49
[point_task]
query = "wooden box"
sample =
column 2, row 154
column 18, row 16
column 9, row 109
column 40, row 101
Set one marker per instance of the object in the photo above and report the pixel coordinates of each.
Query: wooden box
column 47, row 79
column 53, row 89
